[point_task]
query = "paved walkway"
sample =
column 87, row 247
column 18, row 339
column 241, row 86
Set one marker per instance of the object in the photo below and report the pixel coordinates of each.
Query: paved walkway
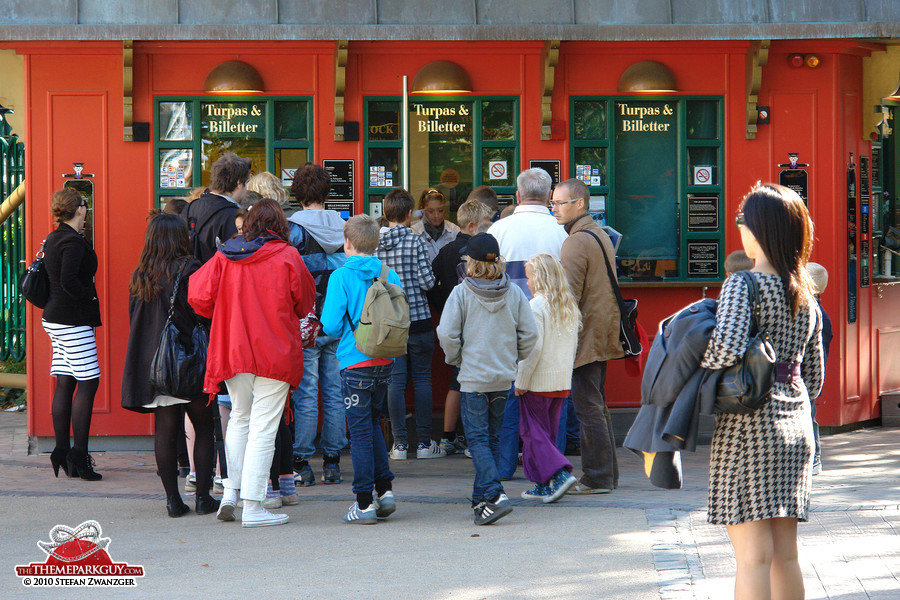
column 636, row 543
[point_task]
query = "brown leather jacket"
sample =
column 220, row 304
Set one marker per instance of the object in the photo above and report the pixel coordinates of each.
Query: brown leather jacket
column 583, row 262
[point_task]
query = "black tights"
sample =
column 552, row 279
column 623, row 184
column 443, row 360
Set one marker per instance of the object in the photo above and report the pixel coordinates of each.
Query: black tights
column 283, row 459
column 73, row 403
column 169, row 425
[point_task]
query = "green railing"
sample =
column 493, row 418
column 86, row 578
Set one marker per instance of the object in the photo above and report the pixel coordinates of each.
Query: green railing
column 12, row 248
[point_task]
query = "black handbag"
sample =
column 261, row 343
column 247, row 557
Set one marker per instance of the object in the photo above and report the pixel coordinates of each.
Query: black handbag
column 178, row 370
column 745, row 387
column 34, row 284
column 631, row 344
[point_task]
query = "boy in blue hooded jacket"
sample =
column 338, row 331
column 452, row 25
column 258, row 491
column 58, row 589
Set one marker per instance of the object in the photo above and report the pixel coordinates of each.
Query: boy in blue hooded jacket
column 364, row 380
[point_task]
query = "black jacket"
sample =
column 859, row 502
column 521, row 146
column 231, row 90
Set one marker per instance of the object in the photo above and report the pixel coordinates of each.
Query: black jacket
column 209, row 217
column 71, row 264
column 445, row 270
column 675, row 391
column 147, row 320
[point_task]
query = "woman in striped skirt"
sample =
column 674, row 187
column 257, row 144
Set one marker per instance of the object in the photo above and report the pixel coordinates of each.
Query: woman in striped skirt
column 70, row 316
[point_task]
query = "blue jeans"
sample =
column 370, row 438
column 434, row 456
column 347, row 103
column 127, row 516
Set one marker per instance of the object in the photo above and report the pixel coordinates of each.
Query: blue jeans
column 417, row 362
column 321, row 369
column 482, row 417
column 364, row 393
column 509, row 437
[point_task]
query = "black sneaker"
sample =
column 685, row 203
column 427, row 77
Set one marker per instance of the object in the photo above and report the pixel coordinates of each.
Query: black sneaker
column 488, row 512
column 305, row 477
column 331, row 473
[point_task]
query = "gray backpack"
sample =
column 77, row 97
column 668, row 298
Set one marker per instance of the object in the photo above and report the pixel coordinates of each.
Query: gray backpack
column 383, row 328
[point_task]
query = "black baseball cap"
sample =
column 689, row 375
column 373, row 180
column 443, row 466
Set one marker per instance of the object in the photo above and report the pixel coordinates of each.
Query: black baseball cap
column 483, row 247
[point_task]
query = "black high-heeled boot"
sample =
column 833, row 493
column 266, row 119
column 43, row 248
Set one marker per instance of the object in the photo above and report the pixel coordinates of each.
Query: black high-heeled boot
column 206, row 504
column 58, row 459
column 81, row 464
column 176, row 506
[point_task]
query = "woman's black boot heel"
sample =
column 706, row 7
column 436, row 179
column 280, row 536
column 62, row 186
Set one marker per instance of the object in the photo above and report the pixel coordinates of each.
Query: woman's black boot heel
column 81, row 464
column 58, row 459
column 176, row 507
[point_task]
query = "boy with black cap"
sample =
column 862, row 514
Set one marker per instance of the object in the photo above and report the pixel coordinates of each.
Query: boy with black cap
column 487, row 327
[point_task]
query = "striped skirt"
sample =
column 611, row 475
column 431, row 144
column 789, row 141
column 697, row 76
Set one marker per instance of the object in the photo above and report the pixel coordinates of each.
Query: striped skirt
column 74, row 351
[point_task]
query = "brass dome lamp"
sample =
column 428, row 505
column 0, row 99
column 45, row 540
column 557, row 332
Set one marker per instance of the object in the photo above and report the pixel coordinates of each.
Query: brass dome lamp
column 442, row 77
column 233, row 77
column 647, row 77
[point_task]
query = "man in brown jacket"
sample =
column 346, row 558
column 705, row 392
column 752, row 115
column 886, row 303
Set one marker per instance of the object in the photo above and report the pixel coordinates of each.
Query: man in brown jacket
column 598, row 341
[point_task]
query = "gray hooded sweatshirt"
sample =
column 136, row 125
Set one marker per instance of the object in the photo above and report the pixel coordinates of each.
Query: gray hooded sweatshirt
column 487, row 327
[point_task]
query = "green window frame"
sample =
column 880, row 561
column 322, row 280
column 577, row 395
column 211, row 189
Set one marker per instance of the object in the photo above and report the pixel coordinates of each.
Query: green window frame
column 194, row 145
column 480, row 145
column 699, row 140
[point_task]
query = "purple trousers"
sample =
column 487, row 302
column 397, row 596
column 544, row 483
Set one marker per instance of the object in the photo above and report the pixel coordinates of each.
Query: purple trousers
column 538, row 425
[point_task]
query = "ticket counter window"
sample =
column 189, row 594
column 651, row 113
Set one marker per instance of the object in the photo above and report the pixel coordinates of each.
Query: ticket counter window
column 191, row 134
column 652, row 165
column 455, row 145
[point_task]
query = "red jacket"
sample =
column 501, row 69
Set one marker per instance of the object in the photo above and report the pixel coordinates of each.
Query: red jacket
column 255, row 300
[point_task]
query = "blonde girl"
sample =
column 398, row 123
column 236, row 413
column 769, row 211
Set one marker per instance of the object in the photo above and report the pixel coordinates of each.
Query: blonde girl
column 545, row 377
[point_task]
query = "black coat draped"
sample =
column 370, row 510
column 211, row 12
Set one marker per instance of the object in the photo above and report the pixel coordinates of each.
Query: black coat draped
column 147, row 320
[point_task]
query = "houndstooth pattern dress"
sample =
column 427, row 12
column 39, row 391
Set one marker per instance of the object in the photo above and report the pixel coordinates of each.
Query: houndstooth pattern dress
column 761, row 463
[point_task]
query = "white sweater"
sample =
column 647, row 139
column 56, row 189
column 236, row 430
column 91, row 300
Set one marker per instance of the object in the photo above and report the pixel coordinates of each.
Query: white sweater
column 549, row 366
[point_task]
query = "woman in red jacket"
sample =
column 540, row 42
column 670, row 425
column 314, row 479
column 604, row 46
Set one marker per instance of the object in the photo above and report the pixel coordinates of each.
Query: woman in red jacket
column 255, row 289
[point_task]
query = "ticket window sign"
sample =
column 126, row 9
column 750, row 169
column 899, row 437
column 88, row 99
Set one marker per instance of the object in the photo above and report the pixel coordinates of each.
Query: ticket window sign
column 85, row 187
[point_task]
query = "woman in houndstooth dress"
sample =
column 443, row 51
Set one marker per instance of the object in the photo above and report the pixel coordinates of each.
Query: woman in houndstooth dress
column 761, row 463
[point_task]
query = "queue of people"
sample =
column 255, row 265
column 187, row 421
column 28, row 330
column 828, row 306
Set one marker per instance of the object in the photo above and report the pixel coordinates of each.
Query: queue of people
column 537, row 281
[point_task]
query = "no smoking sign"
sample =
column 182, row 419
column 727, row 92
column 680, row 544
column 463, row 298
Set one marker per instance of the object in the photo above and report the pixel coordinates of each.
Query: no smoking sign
column 703, row 175
column 497, row 169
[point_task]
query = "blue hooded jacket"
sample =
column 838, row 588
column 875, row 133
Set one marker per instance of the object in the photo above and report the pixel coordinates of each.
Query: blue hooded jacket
column 347, row 289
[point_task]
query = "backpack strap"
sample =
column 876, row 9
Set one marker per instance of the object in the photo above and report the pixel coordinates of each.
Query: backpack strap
column 613, row 281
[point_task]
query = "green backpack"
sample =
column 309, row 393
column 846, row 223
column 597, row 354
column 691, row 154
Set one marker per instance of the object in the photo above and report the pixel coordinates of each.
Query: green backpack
column 383, row 328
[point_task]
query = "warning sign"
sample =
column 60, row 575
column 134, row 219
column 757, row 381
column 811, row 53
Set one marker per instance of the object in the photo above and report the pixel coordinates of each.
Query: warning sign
column 497, row 169
column 702, row 175
column 287, row 177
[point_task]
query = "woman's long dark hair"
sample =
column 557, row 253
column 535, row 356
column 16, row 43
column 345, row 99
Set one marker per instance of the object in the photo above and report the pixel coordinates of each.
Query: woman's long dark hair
column 266, row 217
column 166, row 246
column 779, row 220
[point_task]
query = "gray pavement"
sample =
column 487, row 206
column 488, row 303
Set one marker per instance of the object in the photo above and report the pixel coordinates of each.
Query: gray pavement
column 636, row 543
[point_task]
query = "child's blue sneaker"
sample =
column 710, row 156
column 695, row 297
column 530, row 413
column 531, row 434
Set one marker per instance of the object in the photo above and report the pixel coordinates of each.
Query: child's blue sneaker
column 559, row 485
column 538, row 492
column 358, row 516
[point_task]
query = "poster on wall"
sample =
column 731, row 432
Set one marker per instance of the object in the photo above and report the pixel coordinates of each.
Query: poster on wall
column 703, row 212
column 865, row 224
column 851, row 242
column 793, row 176
column 551, row 166
column 703, row 259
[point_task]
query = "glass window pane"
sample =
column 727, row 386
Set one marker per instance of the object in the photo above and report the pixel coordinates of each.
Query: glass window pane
column 238, row 127
column 703, row 168
column 590, row 120
column 497, row 121
column 290, row 121
column 176, row 168
column 441, row 149
column 590, row 166
column 498, row 166
column 288, row 160
column 176, row 209
column 175, row 121
column 646, row 180
column 384, row 121
column 702, row 120
column 384, row 167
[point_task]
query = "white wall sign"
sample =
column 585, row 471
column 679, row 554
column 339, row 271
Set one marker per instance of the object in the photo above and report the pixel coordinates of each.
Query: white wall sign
column 703, row 175
column 497, row 169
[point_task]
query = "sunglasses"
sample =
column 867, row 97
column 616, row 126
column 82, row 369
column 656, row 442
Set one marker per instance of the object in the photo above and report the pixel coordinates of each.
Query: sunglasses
column 739, row 219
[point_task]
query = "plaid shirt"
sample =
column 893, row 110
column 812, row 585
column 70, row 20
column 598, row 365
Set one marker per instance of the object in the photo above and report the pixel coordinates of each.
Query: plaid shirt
column 405, row 252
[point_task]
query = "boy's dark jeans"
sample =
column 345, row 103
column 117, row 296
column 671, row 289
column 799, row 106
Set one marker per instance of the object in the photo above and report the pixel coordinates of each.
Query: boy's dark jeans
column 365, row 394
column 482, row 417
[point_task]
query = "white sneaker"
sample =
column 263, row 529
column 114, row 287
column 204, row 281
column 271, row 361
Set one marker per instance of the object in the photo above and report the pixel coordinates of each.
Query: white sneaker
column 398, row 452
column 255, row 515
column 432, row 451
column 226, row 507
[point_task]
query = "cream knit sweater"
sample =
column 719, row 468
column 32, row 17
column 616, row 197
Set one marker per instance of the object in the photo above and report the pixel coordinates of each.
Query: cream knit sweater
column 549, row 366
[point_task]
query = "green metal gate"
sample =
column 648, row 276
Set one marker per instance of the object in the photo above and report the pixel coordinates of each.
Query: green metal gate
column 12, row 247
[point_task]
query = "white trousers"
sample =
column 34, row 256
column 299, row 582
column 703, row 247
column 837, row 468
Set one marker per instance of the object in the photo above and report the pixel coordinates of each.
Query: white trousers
column 256, row 405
